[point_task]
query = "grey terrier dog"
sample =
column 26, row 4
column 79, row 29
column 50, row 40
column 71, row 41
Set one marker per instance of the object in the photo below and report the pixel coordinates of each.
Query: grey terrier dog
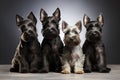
column 94, row 48
column 27, row 55
column 72, row 57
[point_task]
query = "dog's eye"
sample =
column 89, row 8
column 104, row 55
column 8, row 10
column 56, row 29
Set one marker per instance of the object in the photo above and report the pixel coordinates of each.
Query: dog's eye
column 35, row 29
column 89, row 28
column 75, row 32
column 30, row 24
column 53, row 21
column 90, row 25
column 45, row 24
column 67, row 32
column 100, row 30
column 96, row 25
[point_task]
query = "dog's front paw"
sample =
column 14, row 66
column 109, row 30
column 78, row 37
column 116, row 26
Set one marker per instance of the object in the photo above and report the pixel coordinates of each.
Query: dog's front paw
column 12, row 69
column 104, row 70
column 44, row 70
column 65, row 71
column 34, row 70
column 23, row 71
column 87, row 70
column 79, row 71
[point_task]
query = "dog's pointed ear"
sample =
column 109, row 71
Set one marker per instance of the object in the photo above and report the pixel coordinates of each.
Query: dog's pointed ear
column 64, row 26
column 57, row 14
column 100, row 20
column 18, row 19
column 32, row 17
column 43, row 15
column 79, row 25
column 86, row 20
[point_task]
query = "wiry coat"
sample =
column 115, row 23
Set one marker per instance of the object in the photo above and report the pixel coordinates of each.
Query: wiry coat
column 72, row 57
column 93, row 48
column 27, row 54
column 52, row 45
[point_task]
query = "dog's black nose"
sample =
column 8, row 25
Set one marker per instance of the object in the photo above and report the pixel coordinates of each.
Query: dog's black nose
column 95, row 34
column 30, row 32
column 51, row 30
column 72, row 38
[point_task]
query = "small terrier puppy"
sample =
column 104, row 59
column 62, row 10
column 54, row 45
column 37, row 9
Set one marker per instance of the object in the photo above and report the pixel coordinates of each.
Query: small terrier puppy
column 72, row 58
column 27, row 55
column 94, row 48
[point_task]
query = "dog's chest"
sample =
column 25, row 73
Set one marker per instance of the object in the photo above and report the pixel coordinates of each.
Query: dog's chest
column 54, row 45
column 73, row 58
column 73, row 55
column 29, row 52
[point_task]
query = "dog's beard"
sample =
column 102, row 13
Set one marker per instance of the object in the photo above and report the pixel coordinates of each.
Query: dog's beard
column 27, row 38
column 76, row 41
column 50, row 35
column 93, row 38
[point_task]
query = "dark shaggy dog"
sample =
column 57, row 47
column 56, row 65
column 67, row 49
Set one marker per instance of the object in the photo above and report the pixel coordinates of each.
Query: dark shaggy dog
column 93, row 48
column 52, row 45
column 27, row 55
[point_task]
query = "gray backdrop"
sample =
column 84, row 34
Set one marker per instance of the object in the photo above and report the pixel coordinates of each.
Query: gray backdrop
column 71, row 11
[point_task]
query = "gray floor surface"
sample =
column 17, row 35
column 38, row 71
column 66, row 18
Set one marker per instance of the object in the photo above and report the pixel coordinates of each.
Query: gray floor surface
column 6, row 75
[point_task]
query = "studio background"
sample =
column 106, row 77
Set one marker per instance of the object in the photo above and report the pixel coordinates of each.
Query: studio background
column 71, row 11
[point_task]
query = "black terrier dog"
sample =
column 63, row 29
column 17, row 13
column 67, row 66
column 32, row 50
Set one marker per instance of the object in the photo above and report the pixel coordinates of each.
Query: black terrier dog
column 94, row 48
column 27, row 55
column 52, row 45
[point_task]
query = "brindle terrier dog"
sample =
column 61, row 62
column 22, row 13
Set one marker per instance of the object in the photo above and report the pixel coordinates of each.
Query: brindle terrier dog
column 72, row 57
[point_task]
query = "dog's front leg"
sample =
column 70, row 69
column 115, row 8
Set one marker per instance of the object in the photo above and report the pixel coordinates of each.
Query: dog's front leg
column 45, row 65
column 15, row 64
column 24, row 66
column 35, row 64
column 100, row 55
column 87, row 50
column 56, row 59
column 45, row 52
column 66, row 67
column 87, row 64
column 78, row 68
